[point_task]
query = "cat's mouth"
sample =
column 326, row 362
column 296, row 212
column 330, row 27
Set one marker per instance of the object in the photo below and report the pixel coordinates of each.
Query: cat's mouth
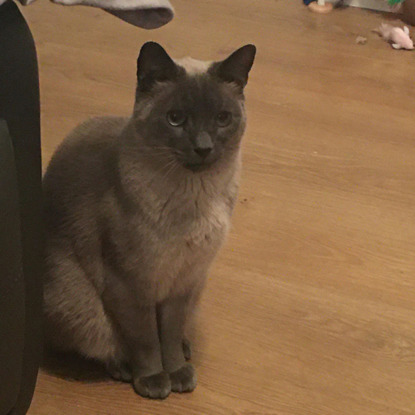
column 196, row 164
column 197, row 167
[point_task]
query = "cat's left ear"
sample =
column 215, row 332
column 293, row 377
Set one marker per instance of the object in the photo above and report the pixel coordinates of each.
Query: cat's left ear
column 236, row 67
column 154, row 65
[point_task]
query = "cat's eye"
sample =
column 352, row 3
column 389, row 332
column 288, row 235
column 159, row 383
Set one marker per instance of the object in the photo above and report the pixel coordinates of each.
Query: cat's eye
column 176, row 118
column 224, row 118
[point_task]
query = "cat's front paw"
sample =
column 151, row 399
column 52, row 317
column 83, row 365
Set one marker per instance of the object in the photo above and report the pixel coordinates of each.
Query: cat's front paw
column 184, row 379
column 156, row 386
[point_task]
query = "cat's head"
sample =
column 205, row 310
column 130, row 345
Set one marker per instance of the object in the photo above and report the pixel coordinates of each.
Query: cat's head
column 189, row 111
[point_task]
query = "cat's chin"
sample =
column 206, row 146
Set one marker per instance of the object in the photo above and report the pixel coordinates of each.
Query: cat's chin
column 197, row 168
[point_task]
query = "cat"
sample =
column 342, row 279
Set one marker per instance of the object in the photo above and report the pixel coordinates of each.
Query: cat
column 136, row 210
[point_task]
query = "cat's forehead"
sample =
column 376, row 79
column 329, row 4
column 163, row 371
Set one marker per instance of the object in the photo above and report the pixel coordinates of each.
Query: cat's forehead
column 198, row 92
column 198, row 87
column 195, row 90
column 193, row 66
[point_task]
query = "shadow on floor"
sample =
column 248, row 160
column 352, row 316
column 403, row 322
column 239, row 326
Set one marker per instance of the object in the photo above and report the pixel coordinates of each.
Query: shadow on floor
column 73, row 367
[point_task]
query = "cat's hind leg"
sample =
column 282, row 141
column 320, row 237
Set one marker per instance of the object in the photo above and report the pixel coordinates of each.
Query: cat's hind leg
column 75, row 319
column 120, row 370
column 187, row 348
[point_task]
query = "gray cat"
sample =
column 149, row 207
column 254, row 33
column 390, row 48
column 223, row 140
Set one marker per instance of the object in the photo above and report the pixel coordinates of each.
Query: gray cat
column 136, row 210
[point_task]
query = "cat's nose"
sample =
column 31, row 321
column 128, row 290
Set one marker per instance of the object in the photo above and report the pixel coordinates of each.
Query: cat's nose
column 203, row 145
column 203, row 152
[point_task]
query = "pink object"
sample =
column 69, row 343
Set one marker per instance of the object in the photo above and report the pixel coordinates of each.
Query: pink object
column 396, row 36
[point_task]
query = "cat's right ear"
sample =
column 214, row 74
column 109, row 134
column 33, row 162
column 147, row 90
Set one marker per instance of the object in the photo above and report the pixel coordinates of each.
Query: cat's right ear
column 154, row 65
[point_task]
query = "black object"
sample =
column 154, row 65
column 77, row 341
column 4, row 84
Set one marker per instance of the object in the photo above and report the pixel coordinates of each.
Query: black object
column 21, row 236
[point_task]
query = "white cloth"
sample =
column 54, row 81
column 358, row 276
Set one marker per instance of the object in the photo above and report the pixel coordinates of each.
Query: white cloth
column 148, row 14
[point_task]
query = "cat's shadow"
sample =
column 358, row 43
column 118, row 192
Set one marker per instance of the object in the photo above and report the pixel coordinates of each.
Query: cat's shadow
column 71, row 366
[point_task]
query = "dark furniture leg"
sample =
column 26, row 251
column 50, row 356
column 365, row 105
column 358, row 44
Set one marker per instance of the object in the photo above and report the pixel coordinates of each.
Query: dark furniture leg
column 21, row 235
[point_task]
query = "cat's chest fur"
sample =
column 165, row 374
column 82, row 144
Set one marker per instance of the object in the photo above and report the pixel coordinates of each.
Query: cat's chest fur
column 190, row 246
column 176, row 236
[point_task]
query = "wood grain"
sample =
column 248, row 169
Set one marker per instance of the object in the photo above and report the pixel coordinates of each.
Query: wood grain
column 310, row 309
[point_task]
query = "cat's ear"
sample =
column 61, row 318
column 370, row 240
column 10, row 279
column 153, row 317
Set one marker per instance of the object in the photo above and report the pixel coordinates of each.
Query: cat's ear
column 236, row 67
column 154, row 65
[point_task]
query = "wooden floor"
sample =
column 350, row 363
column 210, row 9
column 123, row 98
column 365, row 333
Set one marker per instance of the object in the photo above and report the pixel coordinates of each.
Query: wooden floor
column 310, row 309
